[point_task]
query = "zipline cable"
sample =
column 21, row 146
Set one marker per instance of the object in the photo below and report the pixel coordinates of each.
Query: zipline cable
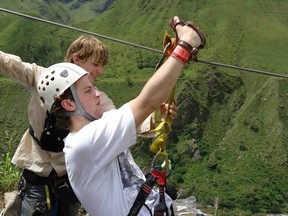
column 245, row 69
column 137, row 45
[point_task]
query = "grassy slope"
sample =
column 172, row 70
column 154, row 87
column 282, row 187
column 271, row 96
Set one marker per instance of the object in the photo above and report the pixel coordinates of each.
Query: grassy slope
column 242, row 174
column 248, row 145
column 13, row 112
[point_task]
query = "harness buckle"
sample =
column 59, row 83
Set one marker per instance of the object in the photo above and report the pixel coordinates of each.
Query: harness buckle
column 64, row 184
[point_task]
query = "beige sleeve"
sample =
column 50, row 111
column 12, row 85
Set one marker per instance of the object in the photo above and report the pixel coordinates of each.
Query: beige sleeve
column 14, row 68
column 144, row 130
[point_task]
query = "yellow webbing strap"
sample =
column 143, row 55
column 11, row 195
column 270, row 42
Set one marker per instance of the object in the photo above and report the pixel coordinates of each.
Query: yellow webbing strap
column 162, row 131
column 167, row 39
column 47, row 197
column 164, row 127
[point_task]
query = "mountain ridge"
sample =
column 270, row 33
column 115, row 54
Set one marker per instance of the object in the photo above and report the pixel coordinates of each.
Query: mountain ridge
column 229, row 139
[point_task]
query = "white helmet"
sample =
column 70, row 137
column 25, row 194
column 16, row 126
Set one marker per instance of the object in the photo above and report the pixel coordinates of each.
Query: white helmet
column 56, row 79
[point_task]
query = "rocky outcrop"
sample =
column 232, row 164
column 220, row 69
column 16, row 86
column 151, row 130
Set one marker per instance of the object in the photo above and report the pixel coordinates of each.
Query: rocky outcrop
column 104, row 7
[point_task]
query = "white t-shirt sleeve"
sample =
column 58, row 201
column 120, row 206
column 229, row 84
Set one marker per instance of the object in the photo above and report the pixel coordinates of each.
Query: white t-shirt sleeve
column 102, row 140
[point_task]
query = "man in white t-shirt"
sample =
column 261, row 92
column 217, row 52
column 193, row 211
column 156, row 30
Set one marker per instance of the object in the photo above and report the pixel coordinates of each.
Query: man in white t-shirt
column 101, row 170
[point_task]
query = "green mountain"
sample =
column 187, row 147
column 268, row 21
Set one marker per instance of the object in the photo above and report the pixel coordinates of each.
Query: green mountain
column 230, row 139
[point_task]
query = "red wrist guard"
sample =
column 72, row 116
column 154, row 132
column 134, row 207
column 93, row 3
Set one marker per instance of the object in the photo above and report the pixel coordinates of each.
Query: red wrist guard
column 181, row 54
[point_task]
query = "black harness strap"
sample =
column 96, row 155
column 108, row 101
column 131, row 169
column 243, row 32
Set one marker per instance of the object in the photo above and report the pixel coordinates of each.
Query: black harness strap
column 31, row 131
column 143, row 194
column 161, row 207
column 51, row 137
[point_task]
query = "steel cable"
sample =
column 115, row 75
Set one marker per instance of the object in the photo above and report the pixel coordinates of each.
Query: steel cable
column 139, row 46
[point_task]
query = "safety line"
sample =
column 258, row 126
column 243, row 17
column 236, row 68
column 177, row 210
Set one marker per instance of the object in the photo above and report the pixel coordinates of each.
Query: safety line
column 245, row 69
column 137, row 45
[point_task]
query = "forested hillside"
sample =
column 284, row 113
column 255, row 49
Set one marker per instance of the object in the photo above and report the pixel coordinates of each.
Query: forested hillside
column 230, row 138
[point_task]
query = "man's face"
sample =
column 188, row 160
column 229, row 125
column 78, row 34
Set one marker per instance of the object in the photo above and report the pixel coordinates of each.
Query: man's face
column 93, row 69
column 89, row 97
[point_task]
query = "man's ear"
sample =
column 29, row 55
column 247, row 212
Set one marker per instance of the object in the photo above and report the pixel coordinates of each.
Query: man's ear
column 76, row 59
column 68, row 105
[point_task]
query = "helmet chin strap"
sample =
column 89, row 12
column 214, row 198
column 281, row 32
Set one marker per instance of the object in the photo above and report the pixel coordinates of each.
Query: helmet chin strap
column 79, row 110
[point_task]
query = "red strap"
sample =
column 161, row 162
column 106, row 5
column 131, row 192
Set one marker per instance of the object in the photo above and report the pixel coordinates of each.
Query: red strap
column 162, row 178
column 181, row 54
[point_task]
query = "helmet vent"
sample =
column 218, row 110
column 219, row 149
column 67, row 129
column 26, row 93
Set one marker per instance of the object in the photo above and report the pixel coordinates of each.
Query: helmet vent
column 64, row 73
column 42, row 99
